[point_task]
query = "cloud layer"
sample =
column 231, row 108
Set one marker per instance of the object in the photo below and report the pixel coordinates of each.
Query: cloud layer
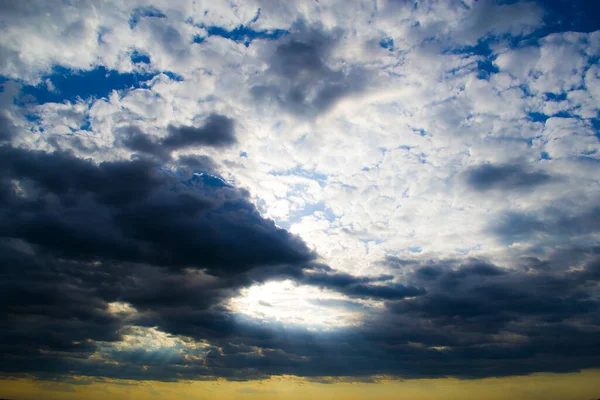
column 177, row 181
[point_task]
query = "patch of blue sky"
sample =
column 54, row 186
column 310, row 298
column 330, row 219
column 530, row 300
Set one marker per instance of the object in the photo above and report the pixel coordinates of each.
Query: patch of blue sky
column 387, row 43
column 256, row 17
column 173, row 76
column 538, row 117
column 144, row 12
column 199, row 177
column 70, row 85
column 571, row 15
column 86, row 124
column 297, row 215
column 419, row 131
column 559, row 16
column 32, row 118
column 486, row 68
column 482, row 48
column 484, row 54
column 596, row 125
column 564, row 114
column 245, row 34
column 310, row 174
column 3, row 80
column 371, row 240
column 209, row 180
column 555, row 96
column 137, row 58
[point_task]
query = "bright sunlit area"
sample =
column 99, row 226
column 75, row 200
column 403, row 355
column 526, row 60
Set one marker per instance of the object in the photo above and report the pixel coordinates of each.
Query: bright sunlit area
column 295, row 305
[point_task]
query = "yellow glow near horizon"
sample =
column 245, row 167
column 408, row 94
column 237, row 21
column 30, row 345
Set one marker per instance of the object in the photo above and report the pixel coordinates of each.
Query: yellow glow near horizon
column 583, row 385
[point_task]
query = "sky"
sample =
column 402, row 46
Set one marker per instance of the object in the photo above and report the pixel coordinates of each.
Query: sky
column 300, row 199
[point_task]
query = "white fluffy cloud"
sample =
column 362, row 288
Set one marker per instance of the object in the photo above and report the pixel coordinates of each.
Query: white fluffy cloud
column 378, row 169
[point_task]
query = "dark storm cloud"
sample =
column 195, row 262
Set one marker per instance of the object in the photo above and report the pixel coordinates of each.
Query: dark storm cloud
column 76, row 236
column 133, row 211
column 475, row 320
column 49, row 307
column 505, row 177
column 300, row 78
column 485, row 292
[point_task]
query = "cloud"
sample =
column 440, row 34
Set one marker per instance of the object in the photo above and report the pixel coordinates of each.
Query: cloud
column 217, row 131
column 6, row 128
column 362, row 286
column 299, row 78
column 428, row 171
column 130, row 211
column 470, row 315
column 486, row 177
column 514, row 226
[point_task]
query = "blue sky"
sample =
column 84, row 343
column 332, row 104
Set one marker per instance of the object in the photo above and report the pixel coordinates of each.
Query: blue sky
column 426, row 168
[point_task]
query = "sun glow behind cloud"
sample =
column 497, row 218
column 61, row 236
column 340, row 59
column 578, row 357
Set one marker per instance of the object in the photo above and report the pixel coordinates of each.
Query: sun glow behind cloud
column 292, row 305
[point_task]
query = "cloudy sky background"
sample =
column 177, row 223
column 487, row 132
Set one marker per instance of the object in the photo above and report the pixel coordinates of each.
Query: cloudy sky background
column 247, row 190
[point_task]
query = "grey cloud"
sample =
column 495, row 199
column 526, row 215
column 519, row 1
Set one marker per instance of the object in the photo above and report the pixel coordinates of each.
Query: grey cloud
column 565, row 226
column 300, row 77
column 505, row 177
column 168, row 36
column 134, row 139
column 377, row 287
column 216, row 131
column 6, row 128
column 201, row 163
